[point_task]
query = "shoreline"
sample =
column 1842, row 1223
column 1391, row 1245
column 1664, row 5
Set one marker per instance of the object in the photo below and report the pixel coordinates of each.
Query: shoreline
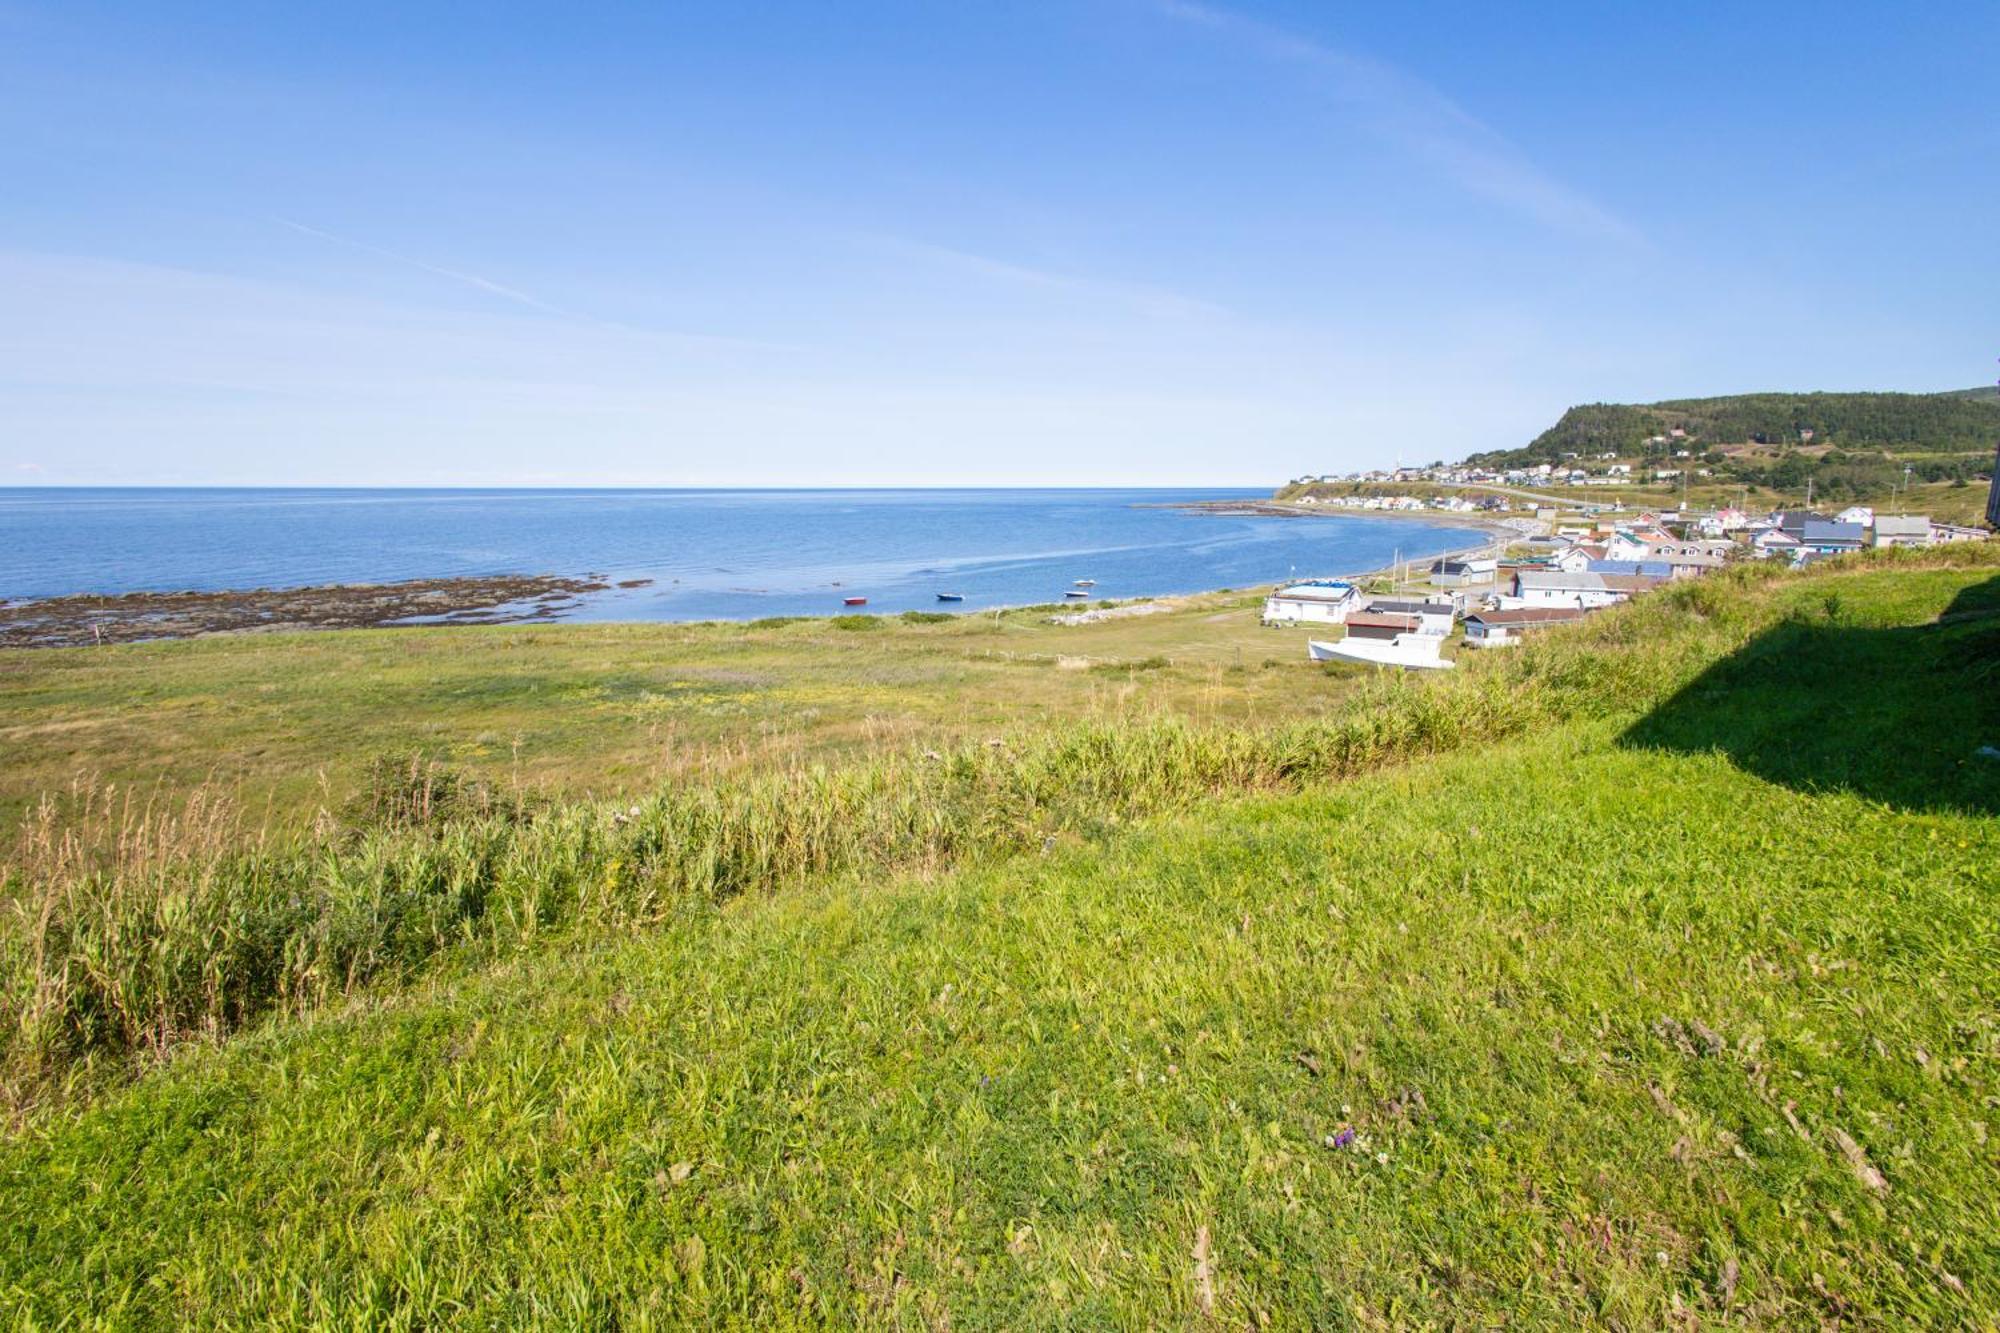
column 83, row 620
column 1501, row 532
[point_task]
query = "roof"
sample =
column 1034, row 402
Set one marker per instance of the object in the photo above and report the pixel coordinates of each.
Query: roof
column 1370, row 620
column 1629, row 582
column 1556, row 580
column 1817, row 531
column 1526, row 615
column 1794, row 519
column 1316, row 592
column 1902, row 525
column 1395, row 607
column 1656, row 568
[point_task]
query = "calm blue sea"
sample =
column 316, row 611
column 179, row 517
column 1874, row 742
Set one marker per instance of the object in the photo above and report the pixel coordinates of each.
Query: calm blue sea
column 711, row 553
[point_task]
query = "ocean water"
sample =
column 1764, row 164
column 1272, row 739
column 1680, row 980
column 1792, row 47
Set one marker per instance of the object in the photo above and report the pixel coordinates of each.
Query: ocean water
column 712, row 554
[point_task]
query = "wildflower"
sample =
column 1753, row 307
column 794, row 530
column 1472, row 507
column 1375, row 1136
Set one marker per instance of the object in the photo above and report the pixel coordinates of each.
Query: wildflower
column 1381, row 1159
column 1344, row 1139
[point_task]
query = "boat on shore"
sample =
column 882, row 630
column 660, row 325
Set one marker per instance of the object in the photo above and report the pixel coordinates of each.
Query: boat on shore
column 854, row 601
column 1384, row 638
column 951, row 597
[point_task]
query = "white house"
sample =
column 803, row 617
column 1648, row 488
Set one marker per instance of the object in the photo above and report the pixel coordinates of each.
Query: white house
column 1463, row 573
column 1861, row 514
column 1902, row 530
column 1765, row 542
column 1504, row 629
column 1586, row 591
column 1318, row 602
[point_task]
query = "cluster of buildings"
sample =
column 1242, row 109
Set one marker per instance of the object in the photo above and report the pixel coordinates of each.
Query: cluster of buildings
column 1803, row 535
column 1562, row 576
column 1573, row 469
column 1450, row 503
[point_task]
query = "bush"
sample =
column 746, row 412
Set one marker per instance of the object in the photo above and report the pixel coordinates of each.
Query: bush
column 412, row 791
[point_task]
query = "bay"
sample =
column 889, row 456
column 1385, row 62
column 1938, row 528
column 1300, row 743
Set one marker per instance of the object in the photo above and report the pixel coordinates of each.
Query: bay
column 710, row 554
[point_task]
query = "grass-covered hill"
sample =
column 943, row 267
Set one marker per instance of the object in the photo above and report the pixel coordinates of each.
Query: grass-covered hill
column 1966, row 422
column 1646, row 976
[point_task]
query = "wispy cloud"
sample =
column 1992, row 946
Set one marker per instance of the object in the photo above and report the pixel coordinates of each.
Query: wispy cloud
column 1147, row 298
column 531, row 302
column 468, row 279
column 1406, row 110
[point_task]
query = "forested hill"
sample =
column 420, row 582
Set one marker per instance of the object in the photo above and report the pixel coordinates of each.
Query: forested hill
column 1962, row 421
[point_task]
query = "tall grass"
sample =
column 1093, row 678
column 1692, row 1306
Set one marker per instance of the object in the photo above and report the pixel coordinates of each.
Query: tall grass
column 187, row 927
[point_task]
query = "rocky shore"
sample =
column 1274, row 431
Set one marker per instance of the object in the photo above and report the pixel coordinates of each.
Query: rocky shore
column 60, row 622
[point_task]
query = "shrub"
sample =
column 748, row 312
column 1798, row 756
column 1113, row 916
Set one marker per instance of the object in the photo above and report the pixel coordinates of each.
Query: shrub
column 411, row 791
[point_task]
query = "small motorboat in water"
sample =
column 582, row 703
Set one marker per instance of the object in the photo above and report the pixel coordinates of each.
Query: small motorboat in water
column 1076, row 592
column 1084, row 583
column 951, row 597
column 854, row 601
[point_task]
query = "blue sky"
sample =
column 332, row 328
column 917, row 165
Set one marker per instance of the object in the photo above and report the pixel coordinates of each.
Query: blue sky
column 1095, row 241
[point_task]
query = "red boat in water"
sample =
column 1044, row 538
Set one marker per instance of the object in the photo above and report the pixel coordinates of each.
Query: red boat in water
column 854, row 601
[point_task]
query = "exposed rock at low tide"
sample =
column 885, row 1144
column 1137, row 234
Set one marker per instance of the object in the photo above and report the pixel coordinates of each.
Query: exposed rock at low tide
column 84, row 619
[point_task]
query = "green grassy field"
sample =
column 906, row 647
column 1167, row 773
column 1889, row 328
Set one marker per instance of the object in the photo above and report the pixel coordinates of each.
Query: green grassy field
column 289, row 723
column 1646, row 976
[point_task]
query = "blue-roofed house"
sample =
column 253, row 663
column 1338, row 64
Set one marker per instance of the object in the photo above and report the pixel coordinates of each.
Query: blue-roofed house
column 1831, row 538
column 1652, row 569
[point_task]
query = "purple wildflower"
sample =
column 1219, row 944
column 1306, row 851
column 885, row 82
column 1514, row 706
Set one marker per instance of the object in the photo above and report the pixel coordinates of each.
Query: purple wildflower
column 1344, row 1138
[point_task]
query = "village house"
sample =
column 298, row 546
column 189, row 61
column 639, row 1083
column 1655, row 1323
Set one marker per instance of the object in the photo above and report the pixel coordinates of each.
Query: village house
column 1585, row 591
column 1651, row 569
column 1766, row 542
column 1794, row 520
column 1861, row 514
column 1318, row 602
column 1832, row 538
column 1902, row 530
column 1503, row 629
column 1431, row 616
column 1376, row 625
column 1682, row 563
column 1722, row 522
column 1463, row 573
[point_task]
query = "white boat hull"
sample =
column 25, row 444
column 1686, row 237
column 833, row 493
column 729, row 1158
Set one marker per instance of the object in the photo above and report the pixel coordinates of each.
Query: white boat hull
column 1374, row 652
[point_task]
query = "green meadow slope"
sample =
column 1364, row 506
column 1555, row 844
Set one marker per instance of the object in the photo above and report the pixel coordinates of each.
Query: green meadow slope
column 1665, row 991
